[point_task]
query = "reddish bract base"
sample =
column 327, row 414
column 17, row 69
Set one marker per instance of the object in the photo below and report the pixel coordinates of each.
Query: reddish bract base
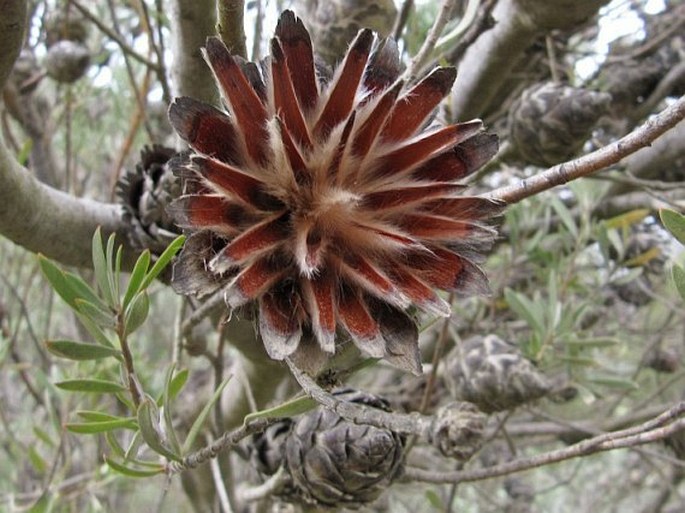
column 330, row 205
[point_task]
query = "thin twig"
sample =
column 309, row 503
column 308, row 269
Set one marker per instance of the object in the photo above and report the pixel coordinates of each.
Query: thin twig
column 220, row 486
column 647, row 432
column 407, row 424
column 401, row 19
column 431, row 39
column 595, row 161
column 112, row 35
column 225, row 441
column 207, row 308
column 268, row 488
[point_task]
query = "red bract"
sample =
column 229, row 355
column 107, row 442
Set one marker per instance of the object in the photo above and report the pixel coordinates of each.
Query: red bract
column 331, row 206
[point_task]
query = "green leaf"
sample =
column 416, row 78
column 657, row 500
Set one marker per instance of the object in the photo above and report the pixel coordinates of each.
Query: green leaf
column 102, row 269
column 98, row 416
column 114, row 445
column 137, row 276
column 90, row 385
column 92, row 428
column 177, row 383
column 565, row 215
column 578, row 360
column 137, row 312
column 591, row 343
column 80, row 350
column 166, row 409
column 96, row 332
column 100, row 317
column 163, row 261
column 132, row 472
column 200, row 420
column 288, row 409
column 674, row 223
column 148, row 420
column 55, row 276
column 83, row 290
column 617, row 383
column 678, row 274
column 627, row 219
column 44, row 436
column 39, row 464
column 526, row 309
column 434, row 500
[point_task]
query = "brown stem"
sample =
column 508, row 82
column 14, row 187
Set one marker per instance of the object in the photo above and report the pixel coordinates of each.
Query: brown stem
column 128, row 361
column 599, row 159
column 656, row 429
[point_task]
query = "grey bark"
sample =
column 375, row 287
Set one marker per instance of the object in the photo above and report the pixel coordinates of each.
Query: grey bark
column 486, row 65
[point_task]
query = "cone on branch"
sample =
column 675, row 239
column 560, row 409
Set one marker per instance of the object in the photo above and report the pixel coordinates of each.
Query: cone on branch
column 145, row 192
column 335, row 463
column 493, row 374
column 551, row 122
column 330, row 206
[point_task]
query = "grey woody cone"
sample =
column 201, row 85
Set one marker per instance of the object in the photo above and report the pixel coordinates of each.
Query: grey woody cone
column 493, row 374
column 145, row 193
column 551, row 122
column 458, row 430
column 335, row 463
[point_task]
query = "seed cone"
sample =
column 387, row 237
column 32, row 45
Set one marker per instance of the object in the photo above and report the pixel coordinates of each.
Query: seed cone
column 493, row 374
column 335, row 463
column 332, row 207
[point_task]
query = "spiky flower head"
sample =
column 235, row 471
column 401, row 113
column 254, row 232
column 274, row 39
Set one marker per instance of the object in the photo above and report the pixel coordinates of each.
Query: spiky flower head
column 331, row 205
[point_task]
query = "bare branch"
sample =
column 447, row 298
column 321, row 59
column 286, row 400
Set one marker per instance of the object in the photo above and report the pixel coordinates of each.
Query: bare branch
column 429, row 43
column 656, row 429
column 12, row 27
column 225, row 441
column 230, row 25
column 486, row 64
column 592, row 162
column 45, row 220
column 192, row 22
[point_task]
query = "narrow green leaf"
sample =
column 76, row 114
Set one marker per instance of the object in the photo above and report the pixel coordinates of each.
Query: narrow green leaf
column 591, row 343
column 55, row 276
column 98, row 416
column 90, row 385
column 163, row 261
column 95, row 331
column 148, row 420
column 674, row 223
column 111, row 269
column 434, row 500
column 565, row 215
column 137, row 312
column 617, row 383
column 579, row 360
column 37, row 461
column 92, row 428
column 80, row 350
column 177, row 383
column 627, row 219
column 44, row 436
column 288, row 409
column 137, row 275
column 114, row 445
column 166, row 409
column 200, row 420
column 678, row 274
column 117, row 271
column 101, row 318
column 132, row 472
column 83, row 290
column 526, row 309
column 134, row 446
column 102, row 270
